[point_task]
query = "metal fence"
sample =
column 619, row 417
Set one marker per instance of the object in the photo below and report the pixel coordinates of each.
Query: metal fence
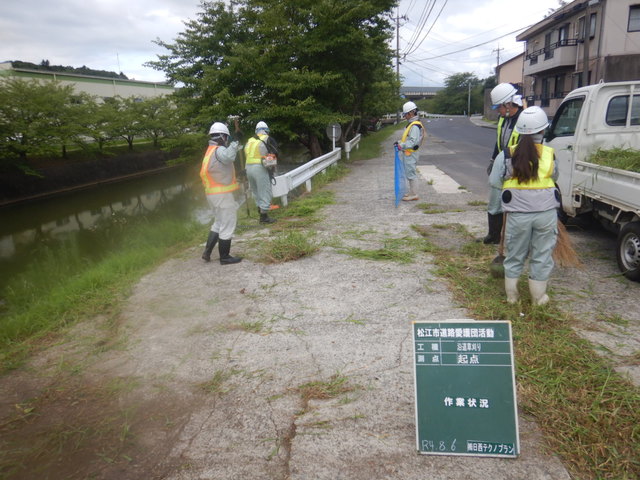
column 285, row 183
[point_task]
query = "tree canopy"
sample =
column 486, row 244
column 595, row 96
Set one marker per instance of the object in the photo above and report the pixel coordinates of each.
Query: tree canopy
column 461, row 91
column 299, row 65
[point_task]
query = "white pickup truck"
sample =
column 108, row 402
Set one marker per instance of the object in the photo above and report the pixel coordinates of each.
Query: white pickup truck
column 602, row 116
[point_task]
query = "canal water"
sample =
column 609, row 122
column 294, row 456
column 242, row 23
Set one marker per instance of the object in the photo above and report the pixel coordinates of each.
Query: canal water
column 82, row 217
column 85, row 217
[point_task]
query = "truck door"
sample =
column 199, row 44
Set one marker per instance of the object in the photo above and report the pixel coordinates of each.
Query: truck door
column 562, row 138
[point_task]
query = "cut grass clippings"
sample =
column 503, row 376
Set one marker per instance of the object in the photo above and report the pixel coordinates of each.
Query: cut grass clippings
column 589, row 414
column 621, row 158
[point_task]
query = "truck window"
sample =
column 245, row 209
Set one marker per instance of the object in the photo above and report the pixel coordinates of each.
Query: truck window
column 618, row 108
column 566, row 118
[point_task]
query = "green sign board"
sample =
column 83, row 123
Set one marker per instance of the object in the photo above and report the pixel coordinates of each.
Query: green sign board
column 465, row 388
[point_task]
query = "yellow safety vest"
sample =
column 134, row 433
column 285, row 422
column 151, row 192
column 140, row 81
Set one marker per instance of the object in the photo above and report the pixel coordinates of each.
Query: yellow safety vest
column 211, row 185
column 252, row 150
column 513, row 139
column 409, row 151
column 546, row 165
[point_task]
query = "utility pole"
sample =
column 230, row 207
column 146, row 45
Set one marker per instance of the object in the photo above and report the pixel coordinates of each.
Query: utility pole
column 398, row 57
column 497, row 50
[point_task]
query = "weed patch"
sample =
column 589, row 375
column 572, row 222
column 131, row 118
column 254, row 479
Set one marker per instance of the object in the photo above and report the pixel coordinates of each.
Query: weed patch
column 287, row 247
column 589, row 414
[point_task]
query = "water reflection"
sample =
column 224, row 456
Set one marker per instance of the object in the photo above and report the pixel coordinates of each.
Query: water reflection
column 93, row 218
column 85, row 216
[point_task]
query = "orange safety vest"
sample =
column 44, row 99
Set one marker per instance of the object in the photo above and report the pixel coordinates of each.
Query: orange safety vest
column 211, row 185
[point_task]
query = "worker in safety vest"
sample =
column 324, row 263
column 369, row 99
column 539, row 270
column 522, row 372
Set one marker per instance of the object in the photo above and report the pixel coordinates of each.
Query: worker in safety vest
column 261, row 152
column 526, row 174
column 411, row 139
column 219, row 179
column 504, row 98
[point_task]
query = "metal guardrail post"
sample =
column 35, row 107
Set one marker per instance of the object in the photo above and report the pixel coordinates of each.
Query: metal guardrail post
column 303, row 174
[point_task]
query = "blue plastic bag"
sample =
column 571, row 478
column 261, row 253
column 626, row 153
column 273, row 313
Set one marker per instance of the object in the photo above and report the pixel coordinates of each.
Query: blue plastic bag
column 399, row 184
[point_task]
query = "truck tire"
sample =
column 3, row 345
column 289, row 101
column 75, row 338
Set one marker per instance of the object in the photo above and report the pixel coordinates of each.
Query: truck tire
column 628, row 251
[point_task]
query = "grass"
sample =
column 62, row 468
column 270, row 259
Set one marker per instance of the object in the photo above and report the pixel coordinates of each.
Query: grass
column 371, row 144
column 392, row 250
column 336, row 385
column 589, row 414
column 218, row 382
column 622, row 158
column 63, row 286
column 287, row 246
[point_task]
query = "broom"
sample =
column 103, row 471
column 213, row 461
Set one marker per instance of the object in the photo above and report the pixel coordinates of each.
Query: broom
column 564, row 254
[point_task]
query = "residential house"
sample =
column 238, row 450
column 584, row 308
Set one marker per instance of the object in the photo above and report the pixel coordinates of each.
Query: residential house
column 604, row 35
column 509, row 71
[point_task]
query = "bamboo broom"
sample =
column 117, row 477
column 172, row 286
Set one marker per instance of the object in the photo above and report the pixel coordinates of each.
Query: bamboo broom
column 564, row 254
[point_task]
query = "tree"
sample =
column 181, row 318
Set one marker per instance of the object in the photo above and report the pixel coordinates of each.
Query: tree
column 124, row 119
column 291, row 63
column 158, row 118
column 32, row 117
column 454, row 98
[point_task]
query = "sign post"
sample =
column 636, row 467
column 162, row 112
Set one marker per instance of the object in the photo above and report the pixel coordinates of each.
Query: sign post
column 333, row 132
column 465, row 388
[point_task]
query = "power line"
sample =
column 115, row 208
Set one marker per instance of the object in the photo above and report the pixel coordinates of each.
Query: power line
column 473, row 46
column 424, row 16
column 430, row 28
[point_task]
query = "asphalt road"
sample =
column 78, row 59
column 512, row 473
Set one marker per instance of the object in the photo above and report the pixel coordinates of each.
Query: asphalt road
column 460, row 149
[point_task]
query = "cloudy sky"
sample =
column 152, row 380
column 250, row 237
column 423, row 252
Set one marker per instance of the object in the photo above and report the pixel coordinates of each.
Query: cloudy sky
column 117, row 35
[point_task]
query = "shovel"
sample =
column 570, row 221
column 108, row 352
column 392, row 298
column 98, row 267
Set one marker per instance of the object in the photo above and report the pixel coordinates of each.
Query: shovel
column 497, row 268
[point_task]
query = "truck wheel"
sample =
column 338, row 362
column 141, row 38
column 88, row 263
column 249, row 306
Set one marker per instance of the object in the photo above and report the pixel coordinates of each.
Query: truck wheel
column 628, row 253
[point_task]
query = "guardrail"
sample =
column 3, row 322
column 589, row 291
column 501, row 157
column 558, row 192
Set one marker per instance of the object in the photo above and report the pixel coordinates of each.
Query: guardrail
column 354, row 142
column 303, row 174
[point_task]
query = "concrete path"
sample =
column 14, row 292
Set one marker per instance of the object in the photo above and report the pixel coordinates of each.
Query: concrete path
column 229, row 352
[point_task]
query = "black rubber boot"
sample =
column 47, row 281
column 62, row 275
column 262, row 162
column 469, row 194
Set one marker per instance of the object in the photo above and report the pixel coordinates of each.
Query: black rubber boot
column 211, row 242
column 495, row 229
column 224, row 246
column 265, row 218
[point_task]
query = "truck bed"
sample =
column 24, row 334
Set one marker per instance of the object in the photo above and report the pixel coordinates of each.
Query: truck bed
column 620, row 188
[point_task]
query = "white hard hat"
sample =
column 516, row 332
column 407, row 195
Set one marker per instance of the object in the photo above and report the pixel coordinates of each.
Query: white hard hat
column 502, row 93
column 532, row 120
column 517, row 99
column 408, row 107
column 218, row 127
column 262, row 126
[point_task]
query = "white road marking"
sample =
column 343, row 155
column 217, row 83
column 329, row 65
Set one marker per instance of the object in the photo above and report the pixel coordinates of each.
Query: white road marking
column 439, row 180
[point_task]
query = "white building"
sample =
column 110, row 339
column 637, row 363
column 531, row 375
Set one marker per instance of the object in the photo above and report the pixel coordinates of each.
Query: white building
column 102, row 87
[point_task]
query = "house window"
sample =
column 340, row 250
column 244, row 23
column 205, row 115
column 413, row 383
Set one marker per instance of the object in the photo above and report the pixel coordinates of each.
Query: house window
column 581, row 28
column 592, row 26
column 548, row 51
column 634, row 18
column 558, row 88
column 563, row 35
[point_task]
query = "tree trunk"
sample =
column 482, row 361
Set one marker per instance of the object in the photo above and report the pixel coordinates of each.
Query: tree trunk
column 314, row 146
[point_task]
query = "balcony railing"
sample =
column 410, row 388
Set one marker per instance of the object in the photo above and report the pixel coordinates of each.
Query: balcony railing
column 548, row 50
